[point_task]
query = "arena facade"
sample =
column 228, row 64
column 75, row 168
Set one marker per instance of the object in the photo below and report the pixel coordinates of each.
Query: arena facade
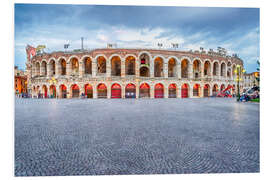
column 130, row 73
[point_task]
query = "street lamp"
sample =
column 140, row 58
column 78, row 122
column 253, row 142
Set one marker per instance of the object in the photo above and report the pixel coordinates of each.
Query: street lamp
column 238, row 72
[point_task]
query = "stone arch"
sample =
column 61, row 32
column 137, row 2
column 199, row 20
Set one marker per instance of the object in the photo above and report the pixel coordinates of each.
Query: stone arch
column 159, row 90
column 207, row 68
column 196, row 90
column 63, row 91
column 172, row 67
column 37, row 69
column 185, row 90
column 145, row 59
column 130, row 90
column 52, row 67
column 74, row 65
column 223, row 69
column 62, row 64
column 53, row 93
column 158, row 66
column 215, row 90
column 144, row 71
column 101, row 64
column 116, row 90
column 43, row 68
column 196, row 67
column 144, row 91
column 87, row 65
column 115, row 65
column 75, row 90
column 215, row 68
column 101, row 90
column 44, row 91
column 172, row 90
column 88, row 90
column 185, row 63
column 130, row 65
column 206, row 90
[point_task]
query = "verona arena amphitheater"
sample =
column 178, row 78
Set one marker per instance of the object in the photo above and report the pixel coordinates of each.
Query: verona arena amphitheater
column 130, row 73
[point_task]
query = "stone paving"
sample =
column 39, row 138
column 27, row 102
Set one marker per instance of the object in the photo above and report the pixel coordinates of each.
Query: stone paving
column 142, row 136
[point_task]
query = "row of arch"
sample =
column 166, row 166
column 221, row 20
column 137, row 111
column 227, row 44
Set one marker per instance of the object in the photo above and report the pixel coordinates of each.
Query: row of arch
column 100, row 65
column 130, row 90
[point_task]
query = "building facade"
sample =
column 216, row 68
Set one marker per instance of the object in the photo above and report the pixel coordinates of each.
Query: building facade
column 130, row 73
column 250, row 80
column 20, row 81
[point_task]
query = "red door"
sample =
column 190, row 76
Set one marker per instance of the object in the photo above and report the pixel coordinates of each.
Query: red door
column 116, row 91
column 159, row 91
column 184, row 91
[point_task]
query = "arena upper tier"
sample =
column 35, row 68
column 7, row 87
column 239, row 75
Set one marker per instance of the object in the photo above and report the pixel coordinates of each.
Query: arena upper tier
column 130, row 73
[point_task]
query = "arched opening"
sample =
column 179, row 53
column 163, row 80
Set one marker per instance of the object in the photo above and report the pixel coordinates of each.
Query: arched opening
column 229, row 73
column 130, row 65
column 215, row 69
column 184, row 91
column 215, row 90
column 130, row 91
column 116, row 66
column 75, row 91
column 234, row 71
column 38, row 92
column 116, row 91
column 196, row 69
column 196, row 90
column 44, row 91
column 101, row 65
column 206, row 90
column 37, row 69
column 158, row 67
column 207, row 68
column 144, row 72
column 172, row 91
column 159, row 91
column 87, row 65
column 144, row 59
column 52, row 67
column 63, row 66
column 222, row 87
column 102, row 91
column 144, row 91
column 184, row 68
column 88, row 91
column 172, row 68
column 52, row 91
column 223, row 69
column 63, row 91
column 74, row 66
column 44, row 68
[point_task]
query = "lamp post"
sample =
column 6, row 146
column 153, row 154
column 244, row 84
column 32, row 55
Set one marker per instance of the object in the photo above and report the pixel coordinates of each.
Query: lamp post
column 53, row 81
column 238, row 72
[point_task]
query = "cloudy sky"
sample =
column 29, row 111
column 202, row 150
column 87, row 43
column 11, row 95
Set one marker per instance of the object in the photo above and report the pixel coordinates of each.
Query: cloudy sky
column 236, row 29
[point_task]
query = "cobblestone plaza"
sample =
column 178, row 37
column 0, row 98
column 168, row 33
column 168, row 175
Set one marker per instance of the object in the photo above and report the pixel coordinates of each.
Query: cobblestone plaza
column 140, row 136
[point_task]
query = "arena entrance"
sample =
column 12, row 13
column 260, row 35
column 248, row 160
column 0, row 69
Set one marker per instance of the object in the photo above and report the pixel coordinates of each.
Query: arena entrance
column 116, row 91
column 63, row 90
column 184, row 91
column 88, row 90
column 44, row 89
column 75, row 91
column 52, row 91
column 172, row 91
column 196, row 90
column 206, row 90
column 215, row 90
column 144, row 91
column 130, row 91
column 102, row 91
column 159, row 91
